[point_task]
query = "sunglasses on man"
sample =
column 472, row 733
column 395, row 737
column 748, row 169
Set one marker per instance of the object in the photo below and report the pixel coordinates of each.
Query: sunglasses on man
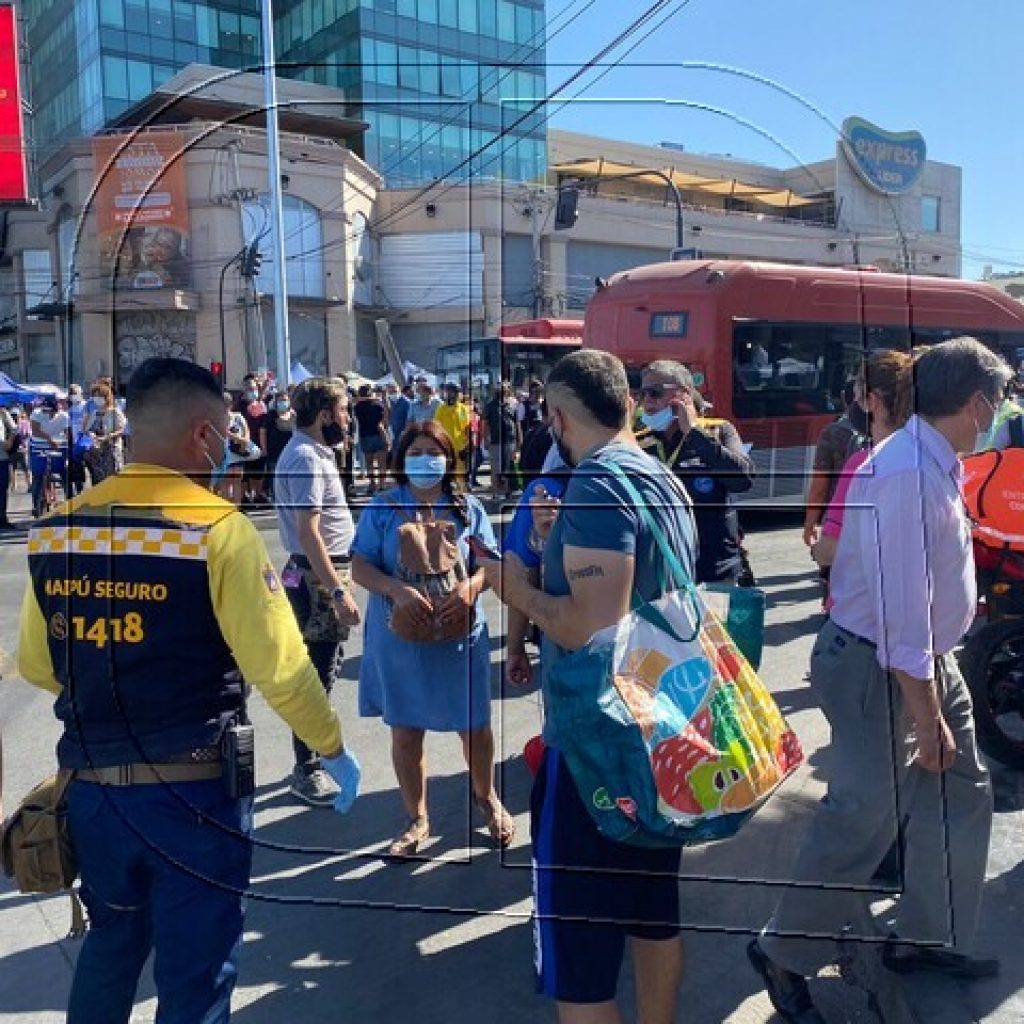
column 658, row 390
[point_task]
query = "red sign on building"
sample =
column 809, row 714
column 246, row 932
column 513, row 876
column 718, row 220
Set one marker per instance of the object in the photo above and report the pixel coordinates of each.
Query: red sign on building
column 13, row 175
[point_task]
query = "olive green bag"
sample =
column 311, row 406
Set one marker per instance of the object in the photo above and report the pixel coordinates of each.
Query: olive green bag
column 35, row 846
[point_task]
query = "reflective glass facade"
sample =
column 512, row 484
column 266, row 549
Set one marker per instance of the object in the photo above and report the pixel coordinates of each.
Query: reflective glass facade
column 437, row 80
column 445, row 85
column 92, row 59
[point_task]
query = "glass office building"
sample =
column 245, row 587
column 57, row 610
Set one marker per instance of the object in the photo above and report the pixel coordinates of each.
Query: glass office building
column 89, row 60
column 445, row 85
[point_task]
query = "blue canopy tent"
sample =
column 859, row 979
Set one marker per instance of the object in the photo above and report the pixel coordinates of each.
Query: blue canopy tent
column 11, row 391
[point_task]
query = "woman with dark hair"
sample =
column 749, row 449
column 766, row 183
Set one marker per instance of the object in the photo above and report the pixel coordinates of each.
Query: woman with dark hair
column 437, row 685
column 371, row 416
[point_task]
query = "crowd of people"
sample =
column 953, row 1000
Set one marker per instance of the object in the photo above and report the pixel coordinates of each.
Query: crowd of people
column 575, row 559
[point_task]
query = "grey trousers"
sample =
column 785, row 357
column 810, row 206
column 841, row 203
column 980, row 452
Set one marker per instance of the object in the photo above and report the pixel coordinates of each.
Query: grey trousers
column 873, row 785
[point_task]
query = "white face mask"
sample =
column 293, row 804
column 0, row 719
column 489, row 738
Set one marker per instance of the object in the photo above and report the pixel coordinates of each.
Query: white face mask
column 658, row 421
column 984, row 439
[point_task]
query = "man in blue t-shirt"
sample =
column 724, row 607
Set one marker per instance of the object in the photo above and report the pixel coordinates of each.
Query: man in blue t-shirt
column 598, row 554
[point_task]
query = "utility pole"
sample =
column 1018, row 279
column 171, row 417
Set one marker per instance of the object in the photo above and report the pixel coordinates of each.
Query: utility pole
column 536, row 208
column 283, row 340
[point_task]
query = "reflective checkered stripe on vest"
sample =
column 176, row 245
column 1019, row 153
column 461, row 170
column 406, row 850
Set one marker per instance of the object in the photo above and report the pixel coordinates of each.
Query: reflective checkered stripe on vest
column 132, row 635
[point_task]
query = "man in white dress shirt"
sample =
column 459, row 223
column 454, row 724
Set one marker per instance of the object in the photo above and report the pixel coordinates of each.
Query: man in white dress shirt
column 903, row 748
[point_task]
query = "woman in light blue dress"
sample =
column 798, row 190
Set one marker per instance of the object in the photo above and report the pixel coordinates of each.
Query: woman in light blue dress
column 440, row 686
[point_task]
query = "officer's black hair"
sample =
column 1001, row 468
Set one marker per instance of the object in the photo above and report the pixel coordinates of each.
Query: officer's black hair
column 161, row 380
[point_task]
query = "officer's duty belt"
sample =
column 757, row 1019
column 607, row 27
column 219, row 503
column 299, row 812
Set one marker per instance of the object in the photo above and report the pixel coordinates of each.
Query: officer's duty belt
column 150, row 774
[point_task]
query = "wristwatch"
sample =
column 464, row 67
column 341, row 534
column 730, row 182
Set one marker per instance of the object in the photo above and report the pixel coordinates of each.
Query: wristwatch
column 338, row 593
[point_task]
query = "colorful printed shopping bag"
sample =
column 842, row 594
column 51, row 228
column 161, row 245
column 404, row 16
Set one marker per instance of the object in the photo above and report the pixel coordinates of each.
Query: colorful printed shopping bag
column 742, row 611
column 671, row 737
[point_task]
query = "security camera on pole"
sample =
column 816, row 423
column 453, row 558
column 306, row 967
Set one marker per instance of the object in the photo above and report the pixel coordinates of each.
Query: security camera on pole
column 282, row 338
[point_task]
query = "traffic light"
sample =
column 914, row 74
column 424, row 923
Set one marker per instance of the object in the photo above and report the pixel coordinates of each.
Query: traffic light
column 565, row 209
column 217, row 369
column 251, row 260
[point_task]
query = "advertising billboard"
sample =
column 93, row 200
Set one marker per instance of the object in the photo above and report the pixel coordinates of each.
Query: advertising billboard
column 13, row 171
column 141, row 207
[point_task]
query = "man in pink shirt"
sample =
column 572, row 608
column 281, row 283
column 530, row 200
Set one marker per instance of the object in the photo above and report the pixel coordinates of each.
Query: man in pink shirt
column 903, row 752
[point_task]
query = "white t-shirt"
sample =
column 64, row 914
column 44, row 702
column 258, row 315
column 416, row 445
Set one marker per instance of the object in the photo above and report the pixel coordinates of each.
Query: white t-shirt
column 76, row 414
column 307, row 478
column 54, row 427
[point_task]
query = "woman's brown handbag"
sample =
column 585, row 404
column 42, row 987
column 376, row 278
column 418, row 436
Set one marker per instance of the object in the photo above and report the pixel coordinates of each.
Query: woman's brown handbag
column 430, row 561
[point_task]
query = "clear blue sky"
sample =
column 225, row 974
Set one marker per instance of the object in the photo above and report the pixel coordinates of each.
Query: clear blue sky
column 953, row 70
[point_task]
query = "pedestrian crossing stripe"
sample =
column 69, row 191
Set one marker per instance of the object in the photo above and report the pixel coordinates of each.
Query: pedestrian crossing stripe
column 118, row 540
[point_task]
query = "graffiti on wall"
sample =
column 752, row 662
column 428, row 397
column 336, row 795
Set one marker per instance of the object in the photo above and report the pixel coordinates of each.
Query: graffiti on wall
column 139, row 335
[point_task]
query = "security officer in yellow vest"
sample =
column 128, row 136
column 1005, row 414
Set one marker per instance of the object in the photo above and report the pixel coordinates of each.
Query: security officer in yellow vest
column 708, row 457
column 148, row 596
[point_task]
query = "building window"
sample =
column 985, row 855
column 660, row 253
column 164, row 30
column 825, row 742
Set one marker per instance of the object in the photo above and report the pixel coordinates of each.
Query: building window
column 303, row 240
column 67, row 249
column 930, row 213
column 37, row 276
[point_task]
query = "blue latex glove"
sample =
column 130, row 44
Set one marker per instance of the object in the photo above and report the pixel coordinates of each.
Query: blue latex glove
column 345, row 771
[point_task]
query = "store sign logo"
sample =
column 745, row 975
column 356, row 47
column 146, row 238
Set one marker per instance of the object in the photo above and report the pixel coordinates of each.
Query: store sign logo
column 888, row 162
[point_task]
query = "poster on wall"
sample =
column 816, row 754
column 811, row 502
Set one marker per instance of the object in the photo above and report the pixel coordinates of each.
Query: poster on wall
column 13, row 171
column 141, row 205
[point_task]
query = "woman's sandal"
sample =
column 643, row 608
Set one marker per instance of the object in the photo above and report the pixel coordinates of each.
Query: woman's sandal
column 499, row 823
column 405, row 845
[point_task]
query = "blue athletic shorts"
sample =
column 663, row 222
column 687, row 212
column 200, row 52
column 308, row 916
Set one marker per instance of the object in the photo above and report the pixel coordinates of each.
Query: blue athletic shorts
column 590, row 893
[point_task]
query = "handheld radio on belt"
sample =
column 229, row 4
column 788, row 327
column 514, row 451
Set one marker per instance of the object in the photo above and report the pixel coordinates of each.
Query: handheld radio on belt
column 238, row 753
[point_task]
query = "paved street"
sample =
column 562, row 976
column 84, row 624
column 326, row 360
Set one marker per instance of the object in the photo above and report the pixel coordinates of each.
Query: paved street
column 334, row 933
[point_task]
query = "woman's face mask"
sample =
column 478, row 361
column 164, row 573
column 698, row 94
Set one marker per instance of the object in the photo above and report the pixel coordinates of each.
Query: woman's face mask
column 283, row 406
column 425, row 471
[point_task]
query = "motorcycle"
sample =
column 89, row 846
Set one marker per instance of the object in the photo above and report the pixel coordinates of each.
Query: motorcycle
column 992, row 659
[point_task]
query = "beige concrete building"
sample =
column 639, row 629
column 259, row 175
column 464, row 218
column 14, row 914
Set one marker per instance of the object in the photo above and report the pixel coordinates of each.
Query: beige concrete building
column 442, row 265
column 128, row 297
column 454, row 263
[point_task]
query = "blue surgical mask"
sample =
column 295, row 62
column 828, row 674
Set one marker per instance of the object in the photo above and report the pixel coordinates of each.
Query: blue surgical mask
column 658, row 421
column 218, row 470
column 425, row 471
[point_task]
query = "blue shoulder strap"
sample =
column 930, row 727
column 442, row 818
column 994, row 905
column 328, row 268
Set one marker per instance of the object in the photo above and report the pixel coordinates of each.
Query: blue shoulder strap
column 680, row 576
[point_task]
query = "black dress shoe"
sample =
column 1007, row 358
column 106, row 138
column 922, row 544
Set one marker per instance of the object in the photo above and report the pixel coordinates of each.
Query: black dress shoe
column 787, row 991
column 914, row 959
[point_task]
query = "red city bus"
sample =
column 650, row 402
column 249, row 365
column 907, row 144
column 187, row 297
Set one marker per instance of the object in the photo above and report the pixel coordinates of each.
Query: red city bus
column 771, row 345
column 520, row 353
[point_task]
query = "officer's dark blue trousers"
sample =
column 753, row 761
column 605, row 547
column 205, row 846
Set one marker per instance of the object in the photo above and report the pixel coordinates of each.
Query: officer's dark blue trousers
column 163, row 869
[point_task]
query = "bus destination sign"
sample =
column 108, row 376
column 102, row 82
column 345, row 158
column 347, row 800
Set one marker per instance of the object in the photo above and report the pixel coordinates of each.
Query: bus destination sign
column 888, row 162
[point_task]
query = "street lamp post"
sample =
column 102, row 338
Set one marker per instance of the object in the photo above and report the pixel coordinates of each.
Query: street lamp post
column 668, row 181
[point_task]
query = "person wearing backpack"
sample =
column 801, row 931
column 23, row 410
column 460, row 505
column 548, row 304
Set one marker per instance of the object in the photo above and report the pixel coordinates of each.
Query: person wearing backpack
column 426, row 652
column 592, row 893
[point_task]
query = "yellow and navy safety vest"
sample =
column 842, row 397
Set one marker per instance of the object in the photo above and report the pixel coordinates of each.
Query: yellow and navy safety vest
column 145, row 593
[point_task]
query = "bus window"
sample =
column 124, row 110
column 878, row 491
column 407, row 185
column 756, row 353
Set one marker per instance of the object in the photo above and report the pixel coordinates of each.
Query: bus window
column 785, row 369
